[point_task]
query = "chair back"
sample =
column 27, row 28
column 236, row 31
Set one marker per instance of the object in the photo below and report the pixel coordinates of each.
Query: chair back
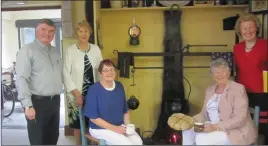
column 82, row 127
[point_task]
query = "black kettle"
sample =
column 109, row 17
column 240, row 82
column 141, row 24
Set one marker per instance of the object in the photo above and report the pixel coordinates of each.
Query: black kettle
column 133, row 103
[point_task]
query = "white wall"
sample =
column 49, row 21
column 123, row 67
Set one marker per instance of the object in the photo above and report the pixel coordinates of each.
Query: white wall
column 34, row 14
column 10, row 44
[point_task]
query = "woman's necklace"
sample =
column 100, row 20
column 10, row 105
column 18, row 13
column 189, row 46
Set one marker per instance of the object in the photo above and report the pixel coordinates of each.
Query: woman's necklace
column 249, row 46
column 84, row 49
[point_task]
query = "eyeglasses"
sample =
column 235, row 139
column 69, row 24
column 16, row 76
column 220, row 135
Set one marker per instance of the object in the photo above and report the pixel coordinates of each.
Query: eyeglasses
column 107, row 70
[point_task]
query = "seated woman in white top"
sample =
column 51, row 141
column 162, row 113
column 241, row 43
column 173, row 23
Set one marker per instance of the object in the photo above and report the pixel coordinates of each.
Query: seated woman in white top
column 81, row 62
column 107, row 109
column 225, row 113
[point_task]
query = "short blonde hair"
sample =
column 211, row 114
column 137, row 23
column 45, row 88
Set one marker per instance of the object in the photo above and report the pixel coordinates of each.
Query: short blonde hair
column 83, row 24
column 247, row 17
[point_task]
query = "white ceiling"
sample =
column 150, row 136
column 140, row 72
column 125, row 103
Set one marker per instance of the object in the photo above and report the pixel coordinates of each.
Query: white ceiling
column 31, row 14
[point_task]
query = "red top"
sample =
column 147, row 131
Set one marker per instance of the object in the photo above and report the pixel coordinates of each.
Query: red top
column 250, row 65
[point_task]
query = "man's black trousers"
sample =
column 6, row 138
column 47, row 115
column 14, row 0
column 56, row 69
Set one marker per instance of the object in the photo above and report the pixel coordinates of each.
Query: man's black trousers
column 44, row 129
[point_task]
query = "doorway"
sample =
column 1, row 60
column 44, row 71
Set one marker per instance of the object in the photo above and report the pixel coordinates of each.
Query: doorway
column 18, row 29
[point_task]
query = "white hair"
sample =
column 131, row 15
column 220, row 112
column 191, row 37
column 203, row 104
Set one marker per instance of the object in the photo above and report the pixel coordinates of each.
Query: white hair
column 220, row 62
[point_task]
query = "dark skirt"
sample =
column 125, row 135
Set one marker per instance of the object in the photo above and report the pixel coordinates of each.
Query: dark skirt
column 261, row 100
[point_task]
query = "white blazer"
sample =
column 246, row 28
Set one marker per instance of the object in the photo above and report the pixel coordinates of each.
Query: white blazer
column 73, row 67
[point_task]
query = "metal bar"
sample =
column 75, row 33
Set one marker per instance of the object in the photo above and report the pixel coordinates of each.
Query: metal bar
column 150, row 67
column 197, row 54
column 148, row 54
column 19, row 37
column 196, row 67
column 208, row 45
column 170, row 67
column 187, row 53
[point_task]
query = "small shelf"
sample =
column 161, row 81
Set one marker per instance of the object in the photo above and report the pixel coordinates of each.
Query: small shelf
column 167, row 8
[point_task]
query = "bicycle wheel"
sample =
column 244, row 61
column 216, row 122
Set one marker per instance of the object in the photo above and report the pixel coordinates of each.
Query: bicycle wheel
column 8, row 99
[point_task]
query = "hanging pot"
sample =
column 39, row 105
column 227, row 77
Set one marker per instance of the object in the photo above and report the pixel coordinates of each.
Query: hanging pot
column 133, row 103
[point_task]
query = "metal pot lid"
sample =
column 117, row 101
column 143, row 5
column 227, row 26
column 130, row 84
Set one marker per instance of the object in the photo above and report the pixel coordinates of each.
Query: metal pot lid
column 169, row 3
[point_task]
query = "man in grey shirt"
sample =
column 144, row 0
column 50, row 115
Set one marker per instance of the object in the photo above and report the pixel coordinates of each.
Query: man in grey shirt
column 39, row 84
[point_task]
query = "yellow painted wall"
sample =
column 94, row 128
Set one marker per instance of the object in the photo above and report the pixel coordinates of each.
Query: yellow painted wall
column 78, row 11
column 199, row 27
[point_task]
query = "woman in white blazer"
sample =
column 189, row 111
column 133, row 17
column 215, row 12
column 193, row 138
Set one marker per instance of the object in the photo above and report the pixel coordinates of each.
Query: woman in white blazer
column 80, row 70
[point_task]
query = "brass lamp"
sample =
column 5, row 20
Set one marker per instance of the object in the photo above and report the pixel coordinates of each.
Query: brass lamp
column 134, row 33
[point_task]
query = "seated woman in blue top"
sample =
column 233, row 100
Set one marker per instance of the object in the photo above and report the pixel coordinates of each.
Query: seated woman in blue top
column 106, row 107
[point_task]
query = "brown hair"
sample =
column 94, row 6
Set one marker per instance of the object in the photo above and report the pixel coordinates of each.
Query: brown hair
column 83, row 24
column 106, row 62
column 46, row 21
column 247, row 17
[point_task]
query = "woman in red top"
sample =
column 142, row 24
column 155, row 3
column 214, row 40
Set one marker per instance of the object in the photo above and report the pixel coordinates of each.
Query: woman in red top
column 251, row 59
column 251, row 54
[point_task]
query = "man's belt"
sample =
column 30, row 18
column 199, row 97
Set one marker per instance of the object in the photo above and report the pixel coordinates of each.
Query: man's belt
column 41, row 96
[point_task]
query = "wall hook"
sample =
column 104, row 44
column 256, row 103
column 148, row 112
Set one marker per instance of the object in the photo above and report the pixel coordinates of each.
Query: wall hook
column 115, row 51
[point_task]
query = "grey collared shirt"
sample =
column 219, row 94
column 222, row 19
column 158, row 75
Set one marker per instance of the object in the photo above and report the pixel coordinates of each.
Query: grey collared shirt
column 39, row 71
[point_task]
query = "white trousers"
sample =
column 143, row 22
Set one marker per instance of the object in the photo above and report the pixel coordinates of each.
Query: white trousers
column 190, row 137
column 113, row 138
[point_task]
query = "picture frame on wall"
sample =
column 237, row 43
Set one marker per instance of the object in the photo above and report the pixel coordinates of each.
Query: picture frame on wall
column 258, row 6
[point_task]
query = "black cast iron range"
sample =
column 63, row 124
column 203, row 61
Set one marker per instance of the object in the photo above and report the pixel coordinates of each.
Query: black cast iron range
column 173, row 95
